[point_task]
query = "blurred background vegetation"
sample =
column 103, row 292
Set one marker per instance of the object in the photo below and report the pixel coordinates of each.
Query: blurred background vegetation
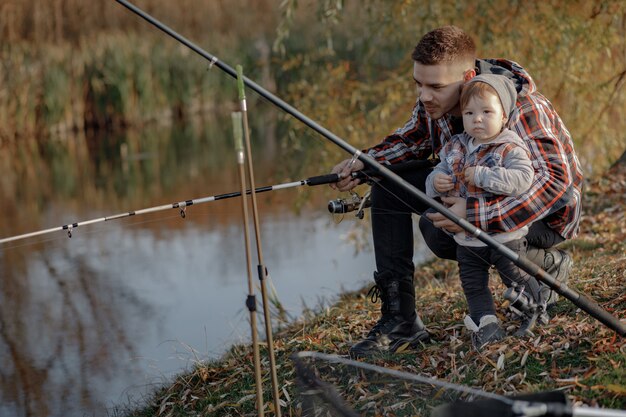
column 76, row 66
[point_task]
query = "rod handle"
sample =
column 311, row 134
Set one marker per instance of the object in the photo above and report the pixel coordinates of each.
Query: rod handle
column 237, row 130
column 240, row 88
column 323, row 179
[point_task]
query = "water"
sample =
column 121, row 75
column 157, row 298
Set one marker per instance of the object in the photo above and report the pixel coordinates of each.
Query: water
column 99, row 320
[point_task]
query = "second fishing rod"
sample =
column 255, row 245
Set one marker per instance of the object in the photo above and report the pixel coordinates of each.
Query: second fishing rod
column 581, row 301
column 335, row 206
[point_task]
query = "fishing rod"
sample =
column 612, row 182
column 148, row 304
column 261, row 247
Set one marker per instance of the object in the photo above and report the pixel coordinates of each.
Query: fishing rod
column 483, row 403
column 261, row 269
column 251, row 299
column 580, row 300
column 549, row 404
column 181, row 205
column 338, row 206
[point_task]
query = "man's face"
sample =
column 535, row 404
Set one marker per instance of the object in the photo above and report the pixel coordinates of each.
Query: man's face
column 439, row 87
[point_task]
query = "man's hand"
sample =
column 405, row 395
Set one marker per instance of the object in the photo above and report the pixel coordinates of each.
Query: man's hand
column 344, row 169
column 455, row 204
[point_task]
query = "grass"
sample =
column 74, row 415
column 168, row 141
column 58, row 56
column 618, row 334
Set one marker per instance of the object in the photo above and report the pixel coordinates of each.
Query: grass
column 573, row 353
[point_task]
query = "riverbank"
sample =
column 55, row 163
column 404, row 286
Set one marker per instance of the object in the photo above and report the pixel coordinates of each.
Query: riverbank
column 573, row 353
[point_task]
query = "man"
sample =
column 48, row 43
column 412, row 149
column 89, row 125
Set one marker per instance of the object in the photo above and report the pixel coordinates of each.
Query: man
column 443, row 60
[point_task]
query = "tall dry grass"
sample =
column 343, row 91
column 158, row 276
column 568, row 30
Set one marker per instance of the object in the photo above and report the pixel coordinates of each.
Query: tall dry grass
column 59, row 21
column 70, row 64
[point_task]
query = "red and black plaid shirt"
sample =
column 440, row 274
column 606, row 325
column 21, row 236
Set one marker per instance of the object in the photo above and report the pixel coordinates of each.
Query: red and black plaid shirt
column 555, row 194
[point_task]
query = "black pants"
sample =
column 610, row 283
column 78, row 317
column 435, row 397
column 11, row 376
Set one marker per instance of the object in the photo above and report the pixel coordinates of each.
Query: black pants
column 474, row 264
column 392, row 223
column 392, row 227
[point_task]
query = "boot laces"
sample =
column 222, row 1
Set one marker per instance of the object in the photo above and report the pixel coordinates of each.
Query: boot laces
column 383, row 326
column 375, row 293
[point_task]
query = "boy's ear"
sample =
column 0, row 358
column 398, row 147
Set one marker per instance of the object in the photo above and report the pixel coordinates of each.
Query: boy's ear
column 469, row 74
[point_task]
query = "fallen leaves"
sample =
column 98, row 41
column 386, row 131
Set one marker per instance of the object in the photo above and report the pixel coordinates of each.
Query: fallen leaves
column 573, row 352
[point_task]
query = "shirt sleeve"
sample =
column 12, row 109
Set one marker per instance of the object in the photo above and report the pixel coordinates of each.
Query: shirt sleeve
column 412, row 141
column 514, row 177
column 539, row 126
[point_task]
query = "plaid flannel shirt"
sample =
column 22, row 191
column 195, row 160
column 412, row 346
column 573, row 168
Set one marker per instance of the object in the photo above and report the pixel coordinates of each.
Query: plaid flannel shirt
column 555, row 194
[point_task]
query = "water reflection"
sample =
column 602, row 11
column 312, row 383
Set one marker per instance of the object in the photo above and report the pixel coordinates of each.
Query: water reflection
column 63, row 322
column 87, row 323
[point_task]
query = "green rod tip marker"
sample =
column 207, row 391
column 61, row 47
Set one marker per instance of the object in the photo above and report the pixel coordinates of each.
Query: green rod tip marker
column 237, row 130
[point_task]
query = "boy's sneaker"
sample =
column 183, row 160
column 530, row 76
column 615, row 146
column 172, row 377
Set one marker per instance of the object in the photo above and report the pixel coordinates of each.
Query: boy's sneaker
column 487, row 331
column 528, row 322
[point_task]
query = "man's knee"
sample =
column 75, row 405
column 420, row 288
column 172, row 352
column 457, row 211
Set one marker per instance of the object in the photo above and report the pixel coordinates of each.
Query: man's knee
column 439, row 242
column 387, row 194
column 540, row 235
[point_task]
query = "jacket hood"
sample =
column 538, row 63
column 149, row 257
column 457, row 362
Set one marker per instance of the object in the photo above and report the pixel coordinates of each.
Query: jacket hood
column 522, row 80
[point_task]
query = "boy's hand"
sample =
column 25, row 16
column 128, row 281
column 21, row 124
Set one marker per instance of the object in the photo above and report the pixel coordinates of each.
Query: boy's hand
column 469, row 175
column 443, row 183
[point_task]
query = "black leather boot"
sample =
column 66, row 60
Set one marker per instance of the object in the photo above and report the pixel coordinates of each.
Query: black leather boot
column 399, row 326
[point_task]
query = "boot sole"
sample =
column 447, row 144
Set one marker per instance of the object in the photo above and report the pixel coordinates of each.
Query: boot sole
column 398, row 345
column 414, row 342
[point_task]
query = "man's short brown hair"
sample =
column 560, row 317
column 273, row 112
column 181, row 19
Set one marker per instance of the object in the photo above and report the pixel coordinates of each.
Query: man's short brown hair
column 445, row 45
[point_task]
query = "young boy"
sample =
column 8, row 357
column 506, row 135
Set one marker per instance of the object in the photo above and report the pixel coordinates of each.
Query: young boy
column 485, row 161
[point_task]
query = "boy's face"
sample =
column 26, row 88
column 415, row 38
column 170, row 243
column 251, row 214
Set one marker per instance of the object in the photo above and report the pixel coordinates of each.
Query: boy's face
column 439, row 87
column 483, row 117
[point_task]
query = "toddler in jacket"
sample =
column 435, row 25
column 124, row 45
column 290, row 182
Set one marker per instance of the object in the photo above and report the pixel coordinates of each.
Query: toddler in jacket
column 488, row 161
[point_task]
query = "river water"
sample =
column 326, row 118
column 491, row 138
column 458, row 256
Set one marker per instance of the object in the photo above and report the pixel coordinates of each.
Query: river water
column 96, row 322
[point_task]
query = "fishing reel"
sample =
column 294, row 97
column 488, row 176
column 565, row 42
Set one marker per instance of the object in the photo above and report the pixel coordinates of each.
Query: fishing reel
column 347, row 205
column 523, row 305
column 520, row 302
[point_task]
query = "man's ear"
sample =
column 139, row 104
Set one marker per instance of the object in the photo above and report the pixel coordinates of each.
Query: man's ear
column 469, row 74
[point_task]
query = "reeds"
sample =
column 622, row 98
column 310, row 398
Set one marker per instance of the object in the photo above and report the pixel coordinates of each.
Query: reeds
column 68, row 64
column 70, row 21
column 114, row 81
column 71, row 65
